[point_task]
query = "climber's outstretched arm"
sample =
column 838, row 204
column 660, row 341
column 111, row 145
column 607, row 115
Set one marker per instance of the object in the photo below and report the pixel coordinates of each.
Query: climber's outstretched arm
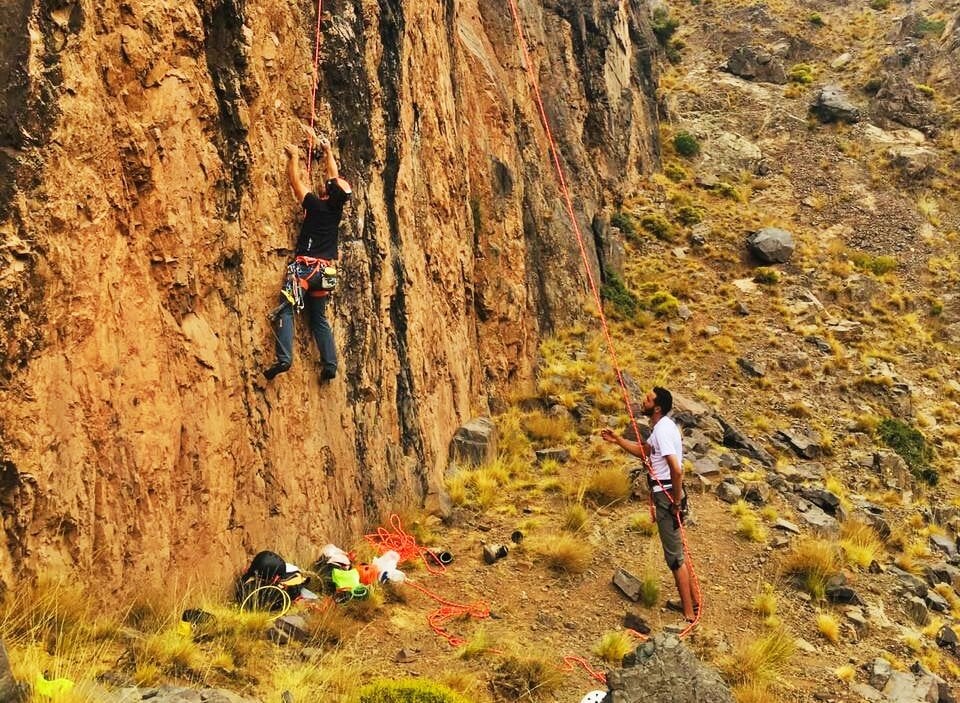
column 297, row 182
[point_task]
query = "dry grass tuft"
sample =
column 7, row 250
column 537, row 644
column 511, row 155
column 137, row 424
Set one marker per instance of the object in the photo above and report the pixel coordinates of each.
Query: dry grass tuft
column 759, row 660
column 609, row 485
column 567, row 554
column 575, row 517
column 333, row 626
column 649, row 588
column 847, row 673
column 749, row 528
column 860, row 543
column 829, row 627
column 547, row 429
column 810, row 564
column 753, row 692
column 614, row 646
column 517, row 678
column 478, row 644
column 765, row 603
column 642, row 522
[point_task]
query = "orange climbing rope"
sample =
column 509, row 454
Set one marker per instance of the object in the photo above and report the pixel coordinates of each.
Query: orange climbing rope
column 405, row 544
column 568, row 201
column 571, row 662
column 450, row 610
column 316, row 79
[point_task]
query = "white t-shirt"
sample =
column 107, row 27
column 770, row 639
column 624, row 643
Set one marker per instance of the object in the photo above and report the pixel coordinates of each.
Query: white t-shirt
column 664, row 440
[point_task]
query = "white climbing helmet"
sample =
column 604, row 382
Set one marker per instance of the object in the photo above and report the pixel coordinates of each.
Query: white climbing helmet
column 594, row 697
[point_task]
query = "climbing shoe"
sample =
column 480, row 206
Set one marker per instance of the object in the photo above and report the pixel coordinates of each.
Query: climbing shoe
column 327, row 375
column 274, row 370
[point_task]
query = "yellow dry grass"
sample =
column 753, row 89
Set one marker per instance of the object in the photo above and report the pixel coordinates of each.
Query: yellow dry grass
column 566, row 554
column 810, row 563
column 614, row 646
column 829, row 627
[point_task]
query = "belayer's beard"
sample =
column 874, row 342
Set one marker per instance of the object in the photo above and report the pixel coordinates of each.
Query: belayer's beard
column 647, row 412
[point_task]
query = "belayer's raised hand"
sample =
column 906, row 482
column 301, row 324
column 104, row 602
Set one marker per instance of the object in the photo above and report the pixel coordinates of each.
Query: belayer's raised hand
column 607, row 434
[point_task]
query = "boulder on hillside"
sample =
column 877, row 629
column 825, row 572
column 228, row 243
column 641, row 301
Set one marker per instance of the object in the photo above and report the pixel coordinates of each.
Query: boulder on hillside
column 729, row 153
column 176, row 694
column 756, row 64
column 913, row 161
column 475, row 443
column 735, row 439
column 663, row 670
column 10, row 690
column 831, row 104
column 771, row 245
column 901, row 101
column 613, row 251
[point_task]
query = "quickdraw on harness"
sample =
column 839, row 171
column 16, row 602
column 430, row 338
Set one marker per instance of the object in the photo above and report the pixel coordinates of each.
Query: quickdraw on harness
column 319, row 281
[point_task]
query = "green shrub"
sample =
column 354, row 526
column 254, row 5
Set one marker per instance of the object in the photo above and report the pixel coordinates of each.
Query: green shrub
column 877, row 265
column 766, row 276
column 816, row 20
column 626, row 223
column 662, row 304
column 615, row 292
column 728, row 191
column 879, row 4
column 408, row 691
column 925, row 26
column 675, row 172
column 659, row 227
column 925, row 89
column 664, row 26
column 689, row 215
column 686, row 144
column 910, row 444
column 801, row 73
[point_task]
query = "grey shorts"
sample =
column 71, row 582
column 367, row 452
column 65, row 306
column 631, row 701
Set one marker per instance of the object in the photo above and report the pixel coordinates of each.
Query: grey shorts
column 669, row 534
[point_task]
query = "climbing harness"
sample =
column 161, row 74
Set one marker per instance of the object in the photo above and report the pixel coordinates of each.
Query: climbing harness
column 325, row 272
column 568, row 201
column 307, row 276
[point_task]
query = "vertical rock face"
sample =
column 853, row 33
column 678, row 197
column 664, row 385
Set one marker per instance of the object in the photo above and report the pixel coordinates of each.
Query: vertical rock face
column 145, row 221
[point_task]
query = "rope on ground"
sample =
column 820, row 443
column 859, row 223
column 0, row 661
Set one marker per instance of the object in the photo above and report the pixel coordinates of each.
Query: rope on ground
column 404, row 544
column 449, row 610
column 568, row 201
column 284, row 598
column 571, row 662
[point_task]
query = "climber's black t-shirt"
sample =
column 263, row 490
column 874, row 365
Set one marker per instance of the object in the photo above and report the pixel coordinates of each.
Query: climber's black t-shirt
column 321, row 222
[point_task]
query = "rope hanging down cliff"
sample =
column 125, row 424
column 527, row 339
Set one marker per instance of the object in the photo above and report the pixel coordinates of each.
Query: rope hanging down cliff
column 316, row 80
column 568, row 201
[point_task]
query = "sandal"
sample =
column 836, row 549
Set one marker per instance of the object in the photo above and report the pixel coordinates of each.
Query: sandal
column 677, row 607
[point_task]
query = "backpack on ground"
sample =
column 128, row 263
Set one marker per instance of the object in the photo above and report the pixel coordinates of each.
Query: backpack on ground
column 270, row 583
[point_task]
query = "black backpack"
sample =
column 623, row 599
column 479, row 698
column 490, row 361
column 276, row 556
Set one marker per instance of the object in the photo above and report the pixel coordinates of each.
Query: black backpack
column 268, row 569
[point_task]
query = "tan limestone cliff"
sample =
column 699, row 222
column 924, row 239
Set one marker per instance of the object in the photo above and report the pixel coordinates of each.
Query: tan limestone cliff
column 145, row 220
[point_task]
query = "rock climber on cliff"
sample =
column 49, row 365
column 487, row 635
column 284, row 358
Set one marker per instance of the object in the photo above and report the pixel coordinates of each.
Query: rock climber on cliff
column 312, row 275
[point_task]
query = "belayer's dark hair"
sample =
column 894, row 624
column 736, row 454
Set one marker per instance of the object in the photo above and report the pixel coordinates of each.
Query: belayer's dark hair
column 663, row 399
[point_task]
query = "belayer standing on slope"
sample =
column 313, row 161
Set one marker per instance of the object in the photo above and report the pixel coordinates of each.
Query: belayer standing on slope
column 312, row 275
column 664, row 447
